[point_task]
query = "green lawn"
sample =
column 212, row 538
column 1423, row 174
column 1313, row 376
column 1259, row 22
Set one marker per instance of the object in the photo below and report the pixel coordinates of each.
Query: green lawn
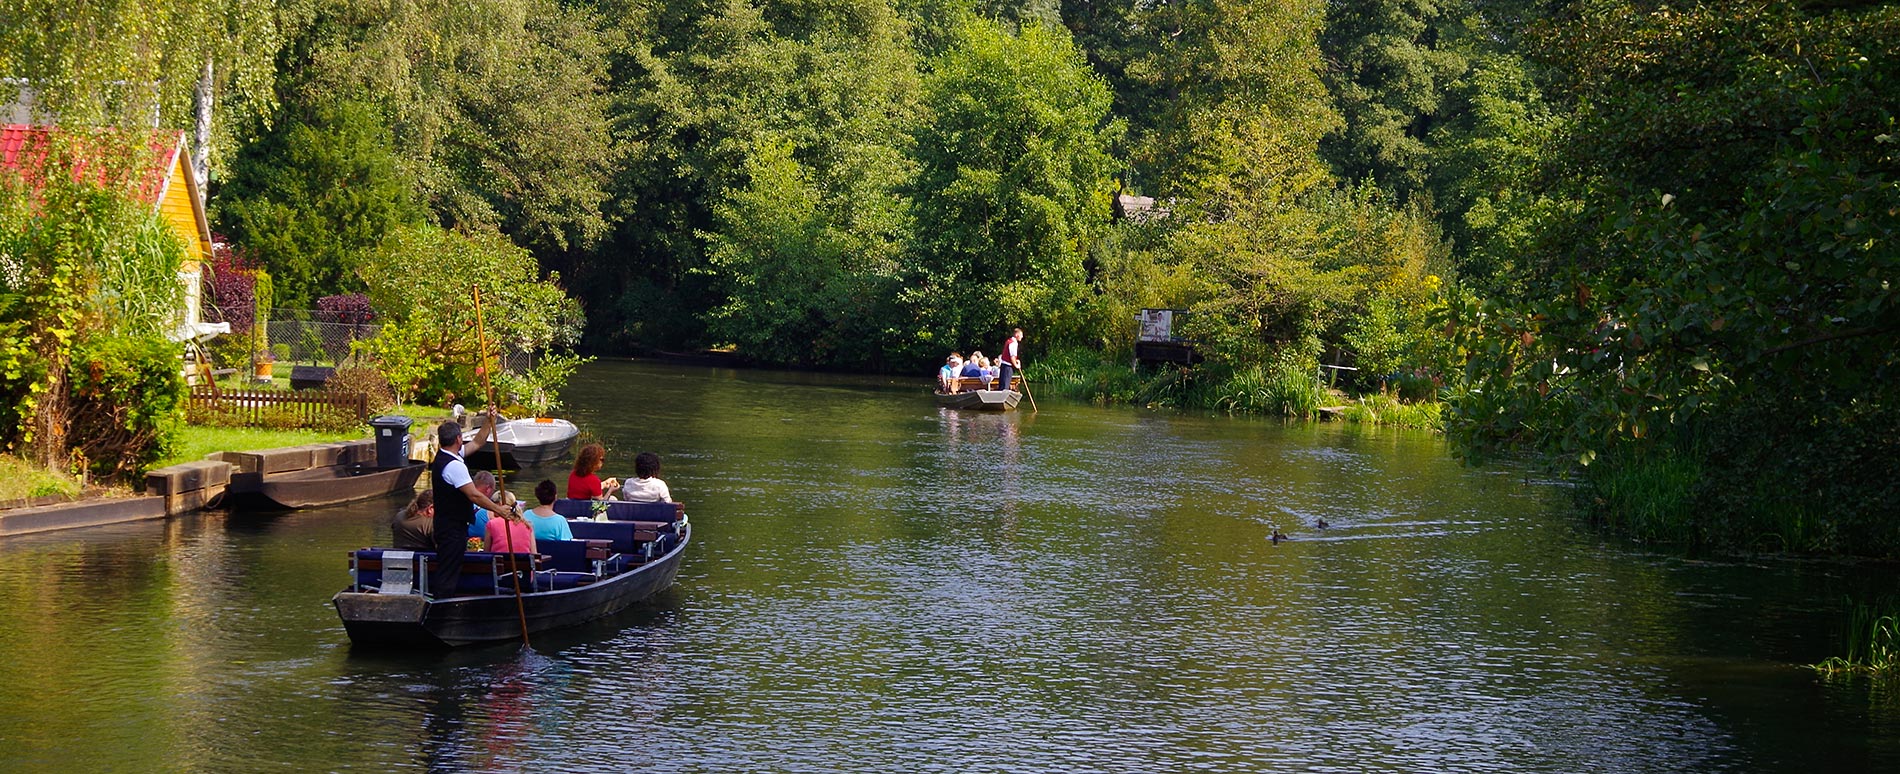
column 194, row 441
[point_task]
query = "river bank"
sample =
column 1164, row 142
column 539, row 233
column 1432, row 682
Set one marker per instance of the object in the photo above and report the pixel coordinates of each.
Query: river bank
column 1261, row 389
column 194, row 475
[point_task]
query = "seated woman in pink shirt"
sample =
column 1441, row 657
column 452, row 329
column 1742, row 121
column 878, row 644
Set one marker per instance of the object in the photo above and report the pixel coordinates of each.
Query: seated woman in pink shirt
column 509, row 532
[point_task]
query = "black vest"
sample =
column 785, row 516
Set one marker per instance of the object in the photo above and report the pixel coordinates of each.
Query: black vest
column 452, row 508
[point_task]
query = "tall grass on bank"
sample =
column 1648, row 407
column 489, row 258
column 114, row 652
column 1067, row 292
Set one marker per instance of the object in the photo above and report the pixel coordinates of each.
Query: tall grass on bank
column 1671, row 494
column 1091, row 376
column 1272, row 390
column 1872, row 639
column 1384, row 408
column 1644, row 496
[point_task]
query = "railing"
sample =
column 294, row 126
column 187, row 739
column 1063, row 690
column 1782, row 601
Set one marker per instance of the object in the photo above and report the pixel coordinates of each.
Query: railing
column 252, row 408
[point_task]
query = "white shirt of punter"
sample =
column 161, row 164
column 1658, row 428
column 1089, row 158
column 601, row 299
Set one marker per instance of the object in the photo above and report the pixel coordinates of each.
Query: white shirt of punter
column 455, row 474
column 645, row 490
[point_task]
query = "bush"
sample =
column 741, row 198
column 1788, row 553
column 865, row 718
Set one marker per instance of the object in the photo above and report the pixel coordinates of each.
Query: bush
column 127, row 398
column 351, row 380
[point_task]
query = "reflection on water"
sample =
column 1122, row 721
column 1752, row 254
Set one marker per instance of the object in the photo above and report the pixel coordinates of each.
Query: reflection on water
column 879, row 584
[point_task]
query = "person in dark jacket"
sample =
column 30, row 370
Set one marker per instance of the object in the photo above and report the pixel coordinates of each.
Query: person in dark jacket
column 455, row 500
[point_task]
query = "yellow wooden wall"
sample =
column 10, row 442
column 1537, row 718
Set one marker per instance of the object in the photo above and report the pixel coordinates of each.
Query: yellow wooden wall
column 178, row 209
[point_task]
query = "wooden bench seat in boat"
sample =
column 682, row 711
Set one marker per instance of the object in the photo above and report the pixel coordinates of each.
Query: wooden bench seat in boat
column 620, row 510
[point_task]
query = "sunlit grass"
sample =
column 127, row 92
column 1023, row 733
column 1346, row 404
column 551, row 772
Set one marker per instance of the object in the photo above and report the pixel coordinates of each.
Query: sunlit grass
column 22, row 480
column 1381, row 408
column 196, row 441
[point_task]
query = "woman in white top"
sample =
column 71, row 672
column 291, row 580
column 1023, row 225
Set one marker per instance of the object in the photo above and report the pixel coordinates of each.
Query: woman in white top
column 646, row 486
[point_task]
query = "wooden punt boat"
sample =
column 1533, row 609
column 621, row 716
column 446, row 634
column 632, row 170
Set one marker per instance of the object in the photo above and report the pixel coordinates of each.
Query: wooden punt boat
column 974, row 395
column 524, row 442
column 328, row 485
column 980, row 400
column 575, row 581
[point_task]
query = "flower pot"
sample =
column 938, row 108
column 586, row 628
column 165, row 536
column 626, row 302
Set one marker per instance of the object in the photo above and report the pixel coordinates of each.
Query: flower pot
column 262, row 371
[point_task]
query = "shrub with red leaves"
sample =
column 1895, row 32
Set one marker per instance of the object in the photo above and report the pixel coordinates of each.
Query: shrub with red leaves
column 230, row 286
column 348, row 308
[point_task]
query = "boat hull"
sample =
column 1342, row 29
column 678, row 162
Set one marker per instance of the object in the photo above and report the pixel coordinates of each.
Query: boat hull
column 318, row 487
column 523, row 443
column 409, row 620
column 980, row 400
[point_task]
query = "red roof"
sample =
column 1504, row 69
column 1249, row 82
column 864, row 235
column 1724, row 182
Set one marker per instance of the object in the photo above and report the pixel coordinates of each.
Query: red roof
column 24, row 148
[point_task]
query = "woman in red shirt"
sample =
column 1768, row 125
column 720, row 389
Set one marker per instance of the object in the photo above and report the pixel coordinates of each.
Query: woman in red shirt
column 584, row 483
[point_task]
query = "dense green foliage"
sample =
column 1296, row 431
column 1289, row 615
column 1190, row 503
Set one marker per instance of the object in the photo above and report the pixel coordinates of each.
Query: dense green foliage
column 1654, row 242
column 497, row 108
column 1718, row 300
column 88, row 288
column 313, row 195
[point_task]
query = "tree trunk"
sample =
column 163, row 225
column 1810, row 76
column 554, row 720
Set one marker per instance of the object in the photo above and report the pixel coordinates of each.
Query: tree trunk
column 49, row 417
column 201, row 146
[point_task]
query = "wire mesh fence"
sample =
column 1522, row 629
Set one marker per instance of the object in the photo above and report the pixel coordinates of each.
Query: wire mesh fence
column 316, row 342
column 318, row 337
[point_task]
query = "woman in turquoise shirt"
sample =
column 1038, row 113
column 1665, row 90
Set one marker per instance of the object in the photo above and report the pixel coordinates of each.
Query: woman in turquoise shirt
column 547, row 524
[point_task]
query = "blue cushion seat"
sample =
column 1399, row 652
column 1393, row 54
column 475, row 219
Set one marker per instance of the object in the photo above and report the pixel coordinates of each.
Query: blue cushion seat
column 619, row 510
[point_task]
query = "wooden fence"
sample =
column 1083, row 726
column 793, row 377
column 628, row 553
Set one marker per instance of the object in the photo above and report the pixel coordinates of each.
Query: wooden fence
column 251, row 408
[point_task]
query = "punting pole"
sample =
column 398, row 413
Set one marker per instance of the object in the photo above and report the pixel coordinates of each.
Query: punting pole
column 494, row 432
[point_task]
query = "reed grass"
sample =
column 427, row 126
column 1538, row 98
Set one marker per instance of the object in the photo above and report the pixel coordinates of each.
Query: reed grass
column 1385, row 408
column 1645, row 496
column 1872, row 640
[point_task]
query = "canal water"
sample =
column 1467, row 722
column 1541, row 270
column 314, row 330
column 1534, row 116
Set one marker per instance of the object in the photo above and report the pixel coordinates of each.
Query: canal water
column 879, row 585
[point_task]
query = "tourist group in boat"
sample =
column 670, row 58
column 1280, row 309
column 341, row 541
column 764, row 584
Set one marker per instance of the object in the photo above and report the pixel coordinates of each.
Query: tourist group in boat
column 470, row 563
column 497, row 521
column 959, row 374
column 980, row 383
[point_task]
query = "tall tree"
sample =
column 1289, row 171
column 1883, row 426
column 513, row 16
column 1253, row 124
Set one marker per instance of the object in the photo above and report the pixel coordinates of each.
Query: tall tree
column 1013, row 183
column 313, row 196
column 714, row 95
column 498, row 107
column 1497, row 128
column 1388, row 73
column 1231, row 101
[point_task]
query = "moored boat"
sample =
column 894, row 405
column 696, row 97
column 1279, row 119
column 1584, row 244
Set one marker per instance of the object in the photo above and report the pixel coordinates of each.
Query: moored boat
column 523, row 442
column 973, row 394
column 609, row 567
column 327, row 485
